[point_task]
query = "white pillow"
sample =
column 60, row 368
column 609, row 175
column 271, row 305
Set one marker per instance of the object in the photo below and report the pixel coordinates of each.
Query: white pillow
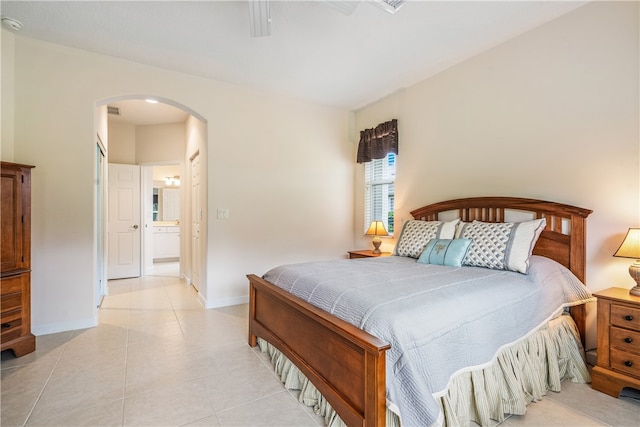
column 501, row 246
column 416, row 234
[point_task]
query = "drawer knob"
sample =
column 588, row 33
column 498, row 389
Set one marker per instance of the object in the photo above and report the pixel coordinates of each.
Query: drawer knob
column 628, row 340
column 628, row 317
column 6, row 325
column 628, row 363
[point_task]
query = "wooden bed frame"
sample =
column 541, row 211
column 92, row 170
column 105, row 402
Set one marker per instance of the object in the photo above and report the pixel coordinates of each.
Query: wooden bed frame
column 346, row 364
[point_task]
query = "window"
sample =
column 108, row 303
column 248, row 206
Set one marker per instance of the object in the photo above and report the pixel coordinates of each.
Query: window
column 379, row 176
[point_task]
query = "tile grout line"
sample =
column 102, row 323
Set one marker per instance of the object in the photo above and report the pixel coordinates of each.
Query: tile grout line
column 126, row 355
column 55, row 365
column 209, row 399
column 173, row 310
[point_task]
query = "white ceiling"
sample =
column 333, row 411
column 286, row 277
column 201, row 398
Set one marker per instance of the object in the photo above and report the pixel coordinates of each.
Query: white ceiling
column 314, row 53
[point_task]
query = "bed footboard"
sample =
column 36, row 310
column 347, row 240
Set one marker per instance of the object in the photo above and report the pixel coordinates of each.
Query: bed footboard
column 346, row 364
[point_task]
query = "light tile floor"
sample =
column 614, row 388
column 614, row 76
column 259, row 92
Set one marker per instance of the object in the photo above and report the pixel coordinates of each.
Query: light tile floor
column 158, row 358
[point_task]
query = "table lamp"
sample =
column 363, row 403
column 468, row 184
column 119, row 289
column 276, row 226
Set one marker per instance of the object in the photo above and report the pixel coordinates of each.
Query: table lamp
column 377, row 229
column 630, row 248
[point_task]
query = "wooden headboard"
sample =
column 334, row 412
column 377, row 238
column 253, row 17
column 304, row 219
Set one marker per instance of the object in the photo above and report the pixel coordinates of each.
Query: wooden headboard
column 563, row 239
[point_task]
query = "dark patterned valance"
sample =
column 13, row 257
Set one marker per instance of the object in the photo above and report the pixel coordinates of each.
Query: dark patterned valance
column 377, row 143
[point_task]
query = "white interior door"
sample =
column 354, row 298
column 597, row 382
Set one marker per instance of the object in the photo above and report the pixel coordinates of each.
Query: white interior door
column 196, row 216
column 124, row 221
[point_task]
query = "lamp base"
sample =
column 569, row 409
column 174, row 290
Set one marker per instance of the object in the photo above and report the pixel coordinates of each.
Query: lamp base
column 634, row 271
column 376, row 246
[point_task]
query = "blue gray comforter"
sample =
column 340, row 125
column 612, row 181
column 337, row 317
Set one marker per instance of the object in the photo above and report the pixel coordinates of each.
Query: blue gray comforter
column 439, row 320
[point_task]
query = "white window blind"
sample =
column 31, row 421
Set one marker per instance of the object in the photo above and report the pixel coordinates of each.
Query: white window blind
column 379, row 177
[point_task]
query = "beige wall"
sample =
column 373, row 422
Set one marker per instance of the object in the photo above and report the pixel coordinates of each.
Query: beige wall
column 164, row 142
column 131, row 144
column 122, row 143
column 552, row 114
column 276, row 163
column 6, row 94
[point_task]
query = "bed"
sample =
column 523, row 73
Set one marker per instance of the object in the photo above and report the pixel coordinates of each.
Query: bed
column 348, row 365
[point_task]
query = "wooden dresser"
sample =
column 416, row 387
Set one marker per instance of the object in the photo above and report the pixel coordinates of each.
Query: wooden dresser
column 15, row 262
column 618, row 363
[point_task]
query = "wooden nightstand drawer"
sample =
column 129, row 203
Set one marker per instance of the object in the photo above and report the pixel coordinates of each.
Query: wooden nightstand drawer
column 625, row 317
column 624, row 362
column 624, row 339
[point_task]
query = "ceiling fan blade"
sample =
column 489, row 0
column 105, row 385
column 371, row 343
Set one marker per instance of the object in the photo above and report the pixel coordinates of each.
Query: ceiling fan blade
column 259, row 18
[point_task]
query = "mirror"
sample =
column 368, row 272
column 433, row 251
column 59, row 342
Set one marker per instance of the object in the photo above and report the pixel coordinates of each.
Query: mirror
column 166, row 204
column 166, row 193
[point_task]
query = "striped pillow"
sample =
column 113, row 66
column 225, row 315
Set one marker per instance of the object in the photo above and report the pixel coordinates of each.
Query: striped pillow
column 501, row 246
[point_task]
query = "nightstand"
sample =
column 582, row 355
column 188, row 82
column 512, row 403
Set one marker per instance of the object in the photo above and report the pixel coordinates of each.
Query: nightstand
column 366, row 254
column 618, row 363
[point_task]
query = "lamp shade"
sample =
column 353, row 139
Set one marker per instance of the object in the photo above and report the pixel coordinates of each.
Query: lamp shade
column 376, row 229
column 630, row 247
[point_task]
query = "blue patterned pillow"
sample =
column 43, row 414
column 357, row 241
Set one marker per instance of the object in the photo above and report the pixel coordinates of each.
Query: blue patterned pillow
column 501, row 246
column 450, row 252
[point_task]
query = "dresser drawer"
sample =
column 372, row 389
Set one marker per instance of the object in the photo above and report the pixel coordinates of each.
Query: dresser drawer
column 625, row 362
column 11, row 325
column 11, row 302
column 625, row 317
column 624, row 339
column 10, row 316
column 9, row 285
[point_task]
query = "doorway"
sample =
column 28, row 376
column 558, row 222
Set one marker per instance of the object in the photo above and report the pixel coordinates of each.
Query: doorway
column 146, row 115
column 163, row 219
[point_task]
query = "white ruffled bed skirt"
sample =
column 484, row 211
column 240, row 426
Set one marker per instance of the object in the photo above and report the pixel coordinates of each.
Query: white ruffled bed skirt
column 518, row 375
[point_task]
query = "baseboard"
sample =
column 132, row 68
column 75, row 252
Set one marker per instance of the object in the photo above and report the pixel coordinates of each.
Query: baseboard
column 54, row 328
column 225, row 302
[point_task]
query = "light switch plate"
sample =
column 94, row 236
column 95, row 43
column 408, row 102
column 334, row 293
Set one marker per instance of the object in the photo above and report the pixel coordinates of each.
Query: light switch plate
column 223, row 213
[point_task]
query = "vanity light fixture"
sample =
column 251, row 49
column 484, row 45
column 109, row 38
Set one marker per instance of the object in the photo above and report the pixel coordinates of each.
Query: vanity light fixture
column 151, row 101
column 172, row 180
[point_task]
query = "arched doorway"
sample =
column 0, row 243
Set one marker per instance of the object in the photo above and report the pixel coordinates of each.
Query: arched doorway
column 141, row 117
